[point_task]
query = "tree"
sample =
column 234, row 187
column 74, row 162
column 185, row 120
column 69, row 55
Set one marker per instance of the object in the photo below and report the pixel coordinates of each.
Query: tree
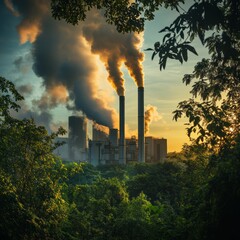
column 32, row 206
column 126, row 15
column 93, row 209
column 8, row 98
column 133, row 219
column 218, row 214
column 213, row 110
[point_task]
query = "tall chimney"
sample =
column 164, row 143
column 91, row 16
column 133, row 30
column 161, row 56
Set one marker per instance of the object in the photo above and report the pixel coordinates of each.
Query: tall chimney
column 122, row 147
column 141, row 146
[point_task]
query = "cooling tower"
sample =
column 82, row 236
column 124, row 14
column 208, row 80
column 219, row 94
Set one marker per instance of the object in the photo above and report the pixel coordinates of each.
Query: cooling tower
column 122, row 147
column 77, row 135
column 113, row 137
column 141, row 147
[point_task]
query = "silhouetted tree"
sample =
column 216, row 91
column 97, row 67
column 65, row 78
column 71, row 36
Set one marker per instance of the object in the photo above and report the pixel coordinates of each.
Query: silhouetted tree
column 126, row 15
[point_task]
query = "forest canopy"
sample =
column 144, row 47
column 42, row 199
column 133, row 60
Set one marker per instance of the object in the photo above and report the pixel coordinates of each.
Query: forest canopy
column 193, row 195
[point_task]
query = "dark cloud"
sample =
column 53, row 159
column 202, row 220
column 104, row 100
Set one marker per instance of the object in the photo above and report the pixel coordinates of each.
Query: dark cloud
column 63, row 57
column 114, row 49
column 41, row 118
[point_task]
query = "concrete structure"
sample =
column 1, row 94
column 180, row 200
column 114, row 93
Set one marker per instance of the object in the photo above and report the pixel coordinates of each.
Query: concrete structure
column 131, row 150
column 122, row 147
column 110, row 154
column 149, row 149
column 98, row 135
column 102, row 153
column 156, row 149
column 160, row 149
column 95, row 152
column 113, row 137
column 77, row 147
column 141, row 145
column 108, row 149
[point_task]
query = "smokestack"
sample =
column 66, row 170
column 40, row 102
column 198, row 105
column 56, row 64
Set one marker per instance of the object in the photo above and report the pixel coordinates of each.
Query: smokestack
column 122, row 147
column 141, row 147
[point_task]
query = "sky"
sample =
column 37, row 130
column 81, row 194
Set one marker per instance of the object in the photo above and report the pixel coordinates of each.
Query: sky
column 64, row 70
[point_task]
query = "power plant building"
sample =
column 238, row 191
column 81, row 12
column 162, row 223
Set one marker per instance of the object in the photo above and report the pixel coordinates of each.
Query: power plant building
column 105, row 148
column 155, row 149
column 98, row 135
column 131, row 150
column 113, row 137
column 77, row 138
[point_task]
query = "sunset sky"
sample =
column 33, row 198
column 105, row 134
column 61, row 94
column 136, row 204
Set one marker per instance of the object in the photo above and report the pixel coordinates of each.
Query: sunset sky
column 63, row 70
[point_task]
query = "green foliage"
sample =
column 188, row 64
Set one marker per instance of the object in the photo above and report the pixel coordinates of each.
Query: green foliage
column 32, row 170
column 94, row 208
column 157, row 182
column 31, row 202
column 8, row 98
column 195, row 195
column 126, row 15
column 220, row 211
column 212, row 111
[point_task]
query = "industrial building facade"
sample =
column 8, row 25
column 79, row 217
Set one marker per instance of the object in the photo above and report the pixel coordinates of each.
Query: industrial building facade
column 77, row 138
column 104, row 148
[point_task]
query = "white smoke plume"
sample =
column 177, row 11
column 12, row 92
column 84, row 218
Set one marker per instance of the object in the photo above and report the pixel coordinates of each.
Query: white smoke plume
column 151, row 114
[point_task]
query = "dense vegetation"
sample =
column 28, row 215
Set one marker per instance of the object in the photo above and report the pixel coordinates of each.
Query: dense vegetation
column 194, row 195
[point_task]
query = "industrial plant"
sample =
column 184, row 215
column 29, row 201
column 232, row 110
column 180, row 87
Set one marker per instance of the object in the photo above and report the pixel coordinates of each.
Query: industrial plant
column 112, row 147
column 103, row 148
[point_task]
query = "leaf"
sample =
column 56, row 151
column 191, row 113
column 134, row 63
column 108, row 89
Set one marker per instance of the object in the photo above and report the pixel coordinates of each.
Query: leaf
column 164, row 62
column 179, row 57
column 191, row 49
column 196, row 120
column 182, row 34
column 153, row 55
column 149, row 49
column 166, row 36
column 177, row 114
column 184, row 54
column 164, row 29
column 156, row 46
column 201, row 36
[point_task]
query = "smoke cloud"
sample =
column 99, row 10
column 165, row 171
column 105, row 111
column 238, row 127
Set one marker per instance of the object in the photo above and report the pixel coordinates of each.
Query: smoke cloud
column 100, row 128
column 151, row 114
column 25, row 90
column 43, row 118
column 115, row 49
column 11, row 8
column 32, row 13
column 65, row 58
